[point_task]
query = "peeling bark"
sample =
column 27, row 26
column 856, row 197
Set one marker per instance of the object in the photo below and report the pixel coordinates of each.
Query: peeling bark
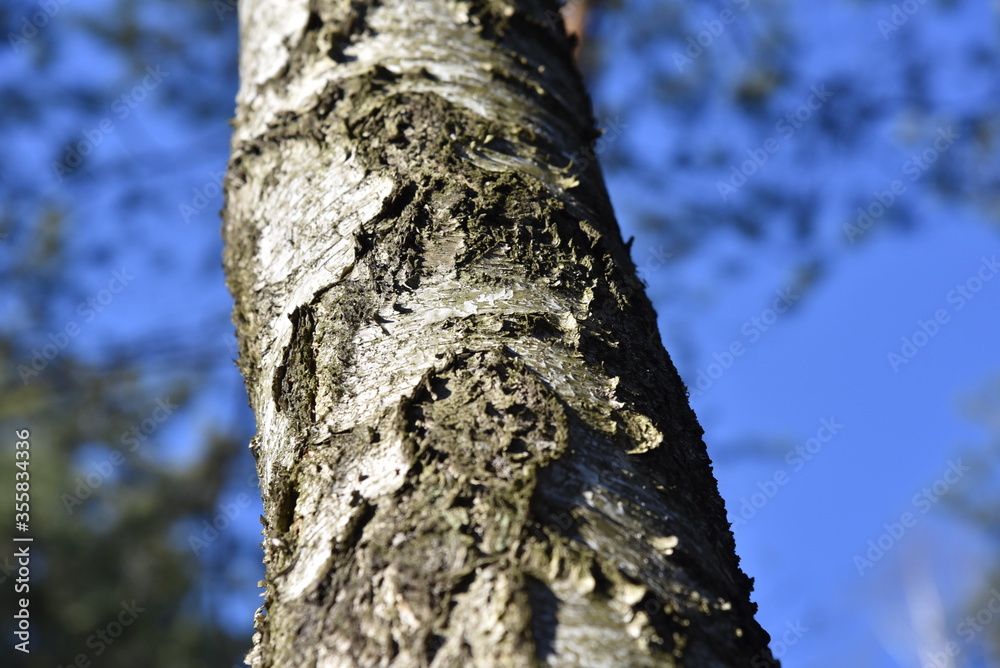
column 473, row 448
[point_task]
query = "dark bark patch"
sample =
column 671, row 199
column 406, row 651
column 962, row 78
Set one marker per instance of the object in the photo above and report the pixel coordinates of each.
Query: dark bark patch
column 341, row 311
column 294, row 384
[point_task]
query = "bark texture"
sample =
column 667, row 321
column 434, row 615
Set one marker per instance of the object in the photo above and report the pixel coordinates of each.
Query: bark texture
column 473, row 448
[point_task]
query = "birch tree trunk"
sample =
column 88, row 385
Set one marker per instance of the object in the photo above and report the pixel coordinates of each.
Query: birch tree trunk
column 472, row 446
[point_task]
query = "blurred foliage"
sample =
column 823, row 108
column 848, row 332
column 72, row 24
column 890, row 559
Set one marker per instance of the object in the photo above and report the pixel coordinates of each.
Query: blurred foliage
column 978, row 504
column 103, row 520
column 111, row 516
column 125, row 468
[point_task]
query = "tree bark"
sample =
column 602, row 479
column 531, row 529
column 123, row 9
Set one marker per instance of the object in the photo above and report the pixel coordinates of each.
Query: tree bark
column 472, row 446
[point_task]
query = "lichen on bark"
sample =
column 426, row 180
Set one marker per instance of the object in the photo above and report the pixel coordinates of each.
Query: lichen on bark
column 473, row 449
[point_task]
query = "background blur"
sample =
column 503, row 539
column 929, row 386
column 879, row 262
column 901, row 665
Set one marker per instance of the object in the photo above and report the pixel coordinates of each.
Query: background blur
column 813, row 192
